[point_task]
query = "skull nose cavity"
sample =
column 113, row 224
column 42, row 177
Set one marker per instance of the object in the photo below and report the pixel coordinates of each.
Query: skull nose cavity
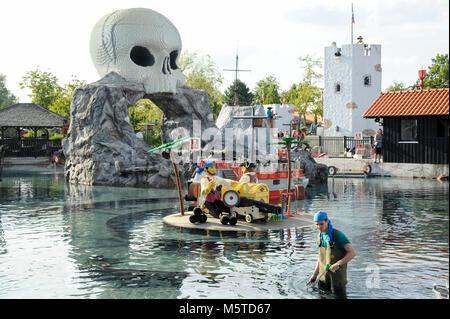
column 166, row 67
column 142, row 56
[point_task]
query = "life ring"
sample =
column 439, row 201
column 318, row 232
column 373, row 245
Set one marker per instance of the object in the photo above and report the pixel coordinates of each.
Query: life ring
column 332, row 170
column 367, row 168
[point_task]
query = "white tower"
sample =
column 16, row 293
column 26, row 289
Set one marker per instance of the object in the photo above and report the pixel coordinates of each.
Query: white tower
column 352, row 83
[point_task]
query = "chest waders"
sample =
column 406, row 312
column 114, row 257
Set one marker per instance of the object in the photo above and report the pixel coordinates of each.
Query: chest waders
column 334, row 281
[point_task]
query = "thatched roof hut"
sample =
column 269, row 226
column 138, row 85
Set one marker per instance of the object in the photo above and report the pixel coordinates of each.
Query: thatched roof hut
column 29, row 115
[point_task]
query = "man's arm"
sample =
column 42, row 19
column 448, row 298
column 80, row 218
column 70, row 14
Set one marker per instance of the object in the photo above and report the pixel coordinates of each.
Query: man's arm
column 315, row 274
column 350, row 253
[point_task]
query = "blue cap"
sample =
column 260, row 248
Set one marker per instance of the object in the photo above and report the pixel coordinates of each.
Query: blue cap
column 208, row 164
column 319, row 216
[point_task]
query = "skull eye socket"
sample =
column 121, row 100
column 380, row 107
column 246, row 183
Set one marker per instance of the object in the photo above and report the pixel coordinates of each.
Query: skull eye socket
column 173, row 60
column 142, row 56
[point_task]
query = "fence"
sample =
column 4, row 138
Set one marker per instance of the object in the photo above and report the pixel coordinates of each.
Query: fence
column 29, row 147
column 336, row 145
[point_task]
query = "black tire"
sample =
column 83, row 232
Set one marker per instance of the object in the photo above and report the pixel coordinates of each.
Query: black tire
column 225, row 219
column 193, row 219
column 233, row 221
column 203, row 218
column 198, row 211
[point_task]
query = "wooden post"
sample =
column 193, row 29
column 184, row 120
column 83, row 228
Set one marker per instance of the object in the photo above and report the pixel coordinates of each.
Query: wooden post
column 288, row 150
column 177, row 175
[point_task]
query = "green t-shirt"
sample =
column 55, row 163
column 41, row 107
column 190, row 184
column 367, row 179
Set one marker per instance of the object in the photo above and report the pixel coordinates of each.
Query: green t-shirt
column 341, row 240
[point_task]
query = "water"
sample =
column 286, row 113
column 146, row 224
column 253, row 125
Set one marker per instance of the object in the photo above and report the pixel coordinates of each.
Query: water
column 59, row 240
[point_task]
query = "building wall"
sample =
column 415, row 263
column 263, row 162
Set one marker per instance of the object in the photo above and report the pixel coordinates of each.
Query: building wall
column 430, row 148
column 344, row 109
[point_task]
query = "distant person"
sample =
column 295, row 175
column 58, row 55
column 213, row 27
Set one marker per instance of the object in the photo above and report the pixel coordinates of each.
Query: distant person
column 57, row 158
column 335, row 250
column 378, row 145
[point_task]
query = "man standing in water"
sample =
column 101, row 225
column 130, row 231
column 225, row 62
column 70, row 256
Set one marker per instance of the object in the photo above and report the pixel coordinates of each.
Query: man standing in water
column 335, row 250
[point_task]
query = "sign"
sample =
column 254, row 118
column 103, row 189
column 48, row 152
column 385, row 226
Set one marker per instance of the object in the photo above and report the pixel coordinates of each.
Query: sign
column 195, row 144
column 358, row 136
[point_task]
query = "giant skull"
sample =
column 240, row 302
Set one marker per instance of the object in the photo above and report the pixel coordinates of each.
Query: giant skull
column 141, row 45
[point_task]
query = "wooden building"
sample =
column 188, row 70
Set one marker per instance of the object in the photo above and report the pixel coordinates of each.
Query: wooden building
column 31, row 116
column 415, row 125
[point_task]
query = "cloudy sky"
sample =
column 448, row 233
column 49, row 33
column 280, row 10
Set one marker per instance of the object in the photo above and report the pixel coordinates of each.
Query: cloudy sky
column 270, row 35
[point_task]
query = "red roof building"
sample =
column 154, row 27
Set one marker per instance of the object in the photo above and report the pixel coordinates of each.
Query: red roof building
column 415, row 125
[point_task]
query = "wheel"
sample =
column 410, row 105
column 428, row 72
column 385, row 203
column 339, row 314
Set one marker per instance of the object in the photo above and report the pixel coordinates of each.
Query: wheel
column 233, row 221
column 248, row 218
column 193, row 219
column 203, row 218
column 225, row 219
column 231, row 198
column 198, row 211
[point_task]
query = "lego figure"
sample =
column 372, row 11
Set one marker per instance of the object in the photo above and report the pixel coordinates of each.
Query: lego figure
column 249, row 173
column 210, row 195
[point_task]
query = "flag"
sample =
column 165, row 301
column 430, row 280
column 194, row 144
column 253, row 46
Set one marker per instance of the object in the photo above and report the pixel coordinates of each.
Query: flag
column 263, row 96
column 353, row 16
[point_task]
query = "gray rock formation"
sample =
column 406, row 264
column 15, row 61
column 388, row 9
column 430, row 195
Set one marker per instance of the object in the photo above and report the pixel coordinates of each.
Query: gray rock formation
column 181, row 110
column 101, row 147
column 317, row 173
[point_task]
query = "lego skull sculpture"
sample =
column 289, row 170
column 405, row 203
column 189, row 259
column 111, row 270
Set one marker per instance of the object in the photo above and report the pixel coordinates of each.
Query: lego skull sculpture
column 141, row 45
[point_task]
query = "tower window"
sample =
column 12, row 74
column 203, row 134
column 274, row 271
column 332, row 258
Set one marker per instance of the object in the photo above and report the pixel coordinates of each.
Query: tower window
column 337, row 88
column 367, row 80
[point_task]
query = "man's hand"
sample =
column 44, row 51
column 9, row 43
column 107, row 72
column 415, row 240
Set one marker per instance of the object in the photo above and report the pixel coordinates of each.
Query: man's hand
column 334, row 267
column 312, row 279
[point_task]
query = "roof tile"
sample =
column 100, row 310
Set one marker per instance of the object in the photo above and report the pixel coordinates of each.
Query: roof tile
column 410, row 103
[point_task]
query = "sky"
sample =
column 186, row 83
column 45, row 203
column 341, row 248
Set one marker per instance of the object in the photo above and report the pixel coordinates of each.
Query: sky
column 269, row 36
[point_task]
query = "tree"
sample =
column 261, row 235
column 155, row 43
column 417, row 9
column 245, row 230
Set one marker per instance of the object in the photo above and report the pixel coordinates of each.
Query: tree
column 43, row 86
column 63, row 97
column 438, row 73
column 201, row 73
column 145, row 111
column 48, row 93
column 309, row 64
column 245, row 97
column 269, row 89
column 6, row 97
column 397, row 86
column 306, row 98
column 307, row 95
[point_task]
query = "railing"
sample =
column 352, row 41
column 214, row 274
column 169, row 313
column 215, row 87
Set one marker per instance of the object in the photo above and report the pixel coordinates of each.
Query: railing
column 29, row 147
column 336, row 145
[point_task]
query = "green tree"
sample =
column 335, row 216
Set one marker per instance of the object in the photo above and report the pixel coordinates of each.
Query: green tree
column 145, row 111
column 307, row 95
column 63, row 97
column 244, row 95
column 397, row 86
column 269, row 88
column 202, row 74
column 48, row 93
column 309, row 65
column 306, row 98
column 438, row 73
column 6, row 97
column 43, row 86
